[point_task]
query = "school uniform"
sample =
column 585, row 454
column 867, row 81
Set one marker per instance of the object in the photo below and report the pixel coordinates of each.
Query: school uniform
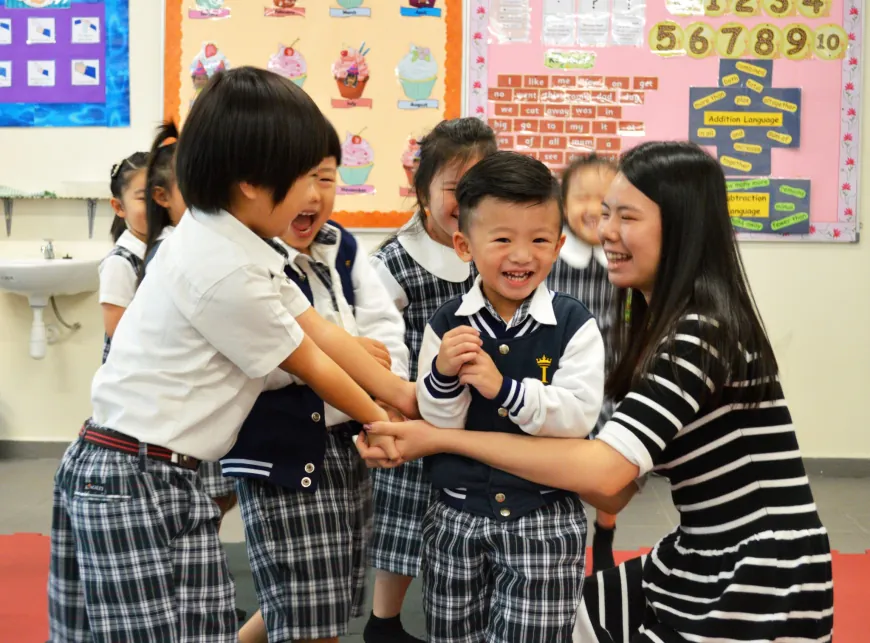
column 504, row 557
column 420, row 274
column 581, row 271
column 304, row 492
column 212, row 479
column 135, row 553
column 119, row 274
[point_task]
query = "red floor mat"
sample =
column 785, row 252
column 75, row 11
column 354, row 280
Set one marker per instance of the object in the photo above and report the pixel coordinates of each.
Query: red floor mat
column 24, row 572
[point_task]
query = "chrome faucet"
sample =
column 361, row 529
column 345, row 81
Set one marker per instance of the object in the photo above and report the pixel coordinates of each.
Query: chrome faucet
column 47, row 250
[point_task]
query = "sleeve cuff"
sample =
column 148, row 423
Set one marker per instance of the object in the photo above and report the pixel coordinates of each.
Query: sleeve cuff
column 441, row 387
column 512, row 395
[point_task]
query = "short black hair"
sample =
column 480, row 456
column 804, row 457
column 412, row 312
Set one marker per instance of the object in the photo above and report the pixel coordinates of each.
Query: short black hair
column 509, row 177
column 333, row 144
column 248, row 125
column 581, row 163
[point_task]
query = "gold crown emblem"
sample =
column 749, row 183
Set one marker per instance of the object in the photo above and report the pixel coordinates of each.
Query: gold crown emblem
column 544, row 361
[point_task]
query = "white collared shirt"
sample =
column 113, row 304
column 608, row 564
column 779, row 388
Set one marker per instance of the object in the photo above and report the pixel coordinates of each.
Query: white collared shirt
column 372, row 316
column 437, row 259
column 192, row 351
column 118, row 278
column 568, row 407
column 577, row 253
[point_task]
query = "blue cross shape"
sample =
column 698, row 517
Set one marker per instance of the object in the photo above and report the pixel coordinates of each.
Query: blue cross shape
column 745, row 116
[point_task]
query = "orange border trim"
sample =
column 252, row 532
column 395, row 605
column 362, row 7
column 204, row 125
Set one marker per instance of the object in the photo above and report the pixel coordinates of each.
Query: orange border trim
column 452, row 95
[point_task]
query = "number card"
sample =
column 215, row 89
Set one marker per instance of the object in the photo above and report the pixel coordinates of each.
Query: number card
column 772, row 88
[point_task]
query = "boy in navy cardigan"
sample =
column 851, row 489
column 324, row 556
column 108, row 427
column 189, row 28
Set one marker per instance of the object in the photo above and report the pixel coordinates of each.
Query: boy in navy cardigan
column 504, row 556
column 304, row 493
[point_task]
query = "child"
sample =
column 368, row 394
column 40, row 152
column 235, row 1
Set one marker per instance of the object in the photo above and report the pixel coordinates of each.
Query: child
column 119, row 271
column 164, row 204
column 421, row 272
column 581, row 272
column 135, row 554
column 305, row 496
column 503, row 557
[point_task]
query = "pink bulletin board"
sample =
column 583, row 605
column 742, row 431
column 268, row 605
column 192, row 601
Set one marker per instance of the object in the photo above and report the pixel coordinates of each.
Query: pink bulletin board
column 772, row 87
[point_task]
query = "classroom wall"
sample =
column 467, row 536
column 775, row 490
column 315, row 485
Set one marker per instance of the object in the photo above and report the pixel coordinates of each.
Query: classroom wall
column 814, row 299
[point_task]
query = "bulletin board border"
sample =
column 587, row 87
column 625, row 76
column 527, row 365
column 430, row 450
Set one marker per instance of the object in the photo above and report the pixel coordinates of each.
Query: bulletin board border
column 453, row 86
column 847, row 227
column 115, row 112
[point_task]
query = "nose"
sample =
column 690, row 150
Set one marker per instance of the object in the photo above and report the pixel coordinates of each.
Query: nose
column 607, row 229
column 520, row 253
column 314, row 192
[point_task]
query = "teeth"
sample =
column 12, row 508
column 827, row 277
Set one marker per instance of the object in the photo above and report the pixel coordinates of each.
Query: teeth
column 617, row 256
column 517, row 276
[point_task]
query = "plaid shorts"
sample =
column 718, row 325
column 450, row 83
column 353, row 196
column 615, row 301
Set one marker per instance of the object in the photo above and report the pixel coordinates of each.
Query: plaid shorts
column 135, row 554
column 485, row 580
column 216, row 486
column 401, row 498
column 308, row 550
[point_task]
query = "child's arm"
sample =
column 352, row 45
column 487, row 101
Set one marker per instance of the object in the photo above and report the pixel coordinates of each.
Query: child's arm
column 443, row 400
column 117, row 287
column 566, row 408
column 377, row 316
column 111, row 316
column 347, row 352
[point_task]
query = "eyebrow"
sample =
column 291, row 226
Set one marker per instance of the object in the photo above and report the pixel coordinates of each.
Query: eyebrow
column 618, row 208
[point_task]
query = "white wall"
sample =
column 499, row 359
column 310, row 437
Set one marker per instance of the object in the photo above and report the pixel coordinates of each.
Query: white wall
column 814, row 299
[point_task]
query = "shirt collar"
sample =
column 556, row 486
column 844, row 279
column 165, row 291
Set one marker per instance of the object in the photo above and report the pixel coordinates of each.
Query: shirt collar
column 129, row 242
column 323, row 248
column 440, row 260
column 577, row 253
column 226, row 225
column 539, row 305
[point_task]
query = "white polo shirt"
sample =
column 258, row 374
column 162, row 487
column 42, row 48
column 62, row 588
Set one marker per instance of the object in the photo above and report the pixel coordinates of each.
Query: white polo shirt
column 213, row 317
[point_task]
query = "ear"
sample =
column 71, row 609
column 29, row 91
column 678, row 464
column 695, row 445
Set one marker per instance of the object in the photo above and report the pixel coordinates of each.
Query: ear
column 160, row 197
column 117, row 206
column 249, row 191
column 462, row 246
column 560, row 243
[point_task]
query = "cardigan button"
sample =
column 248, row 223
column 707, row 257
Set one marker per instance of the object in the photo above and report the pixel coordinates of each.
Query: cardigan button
column 505, row 512
column 315, row 417
column 500, row 497
column 504, row 349
column 309, row 468
column 306, row 482
column 503, row 412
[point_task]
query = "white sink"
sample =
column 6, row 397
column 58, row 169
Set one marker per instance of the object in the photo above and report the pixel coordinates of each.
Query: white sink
column 39, row 280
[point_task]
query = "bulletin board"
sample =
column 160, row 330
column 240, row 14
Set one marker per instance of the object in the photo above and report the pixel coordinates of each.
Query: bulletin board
column 64, row 63
column 384, row 73
column 771, row 87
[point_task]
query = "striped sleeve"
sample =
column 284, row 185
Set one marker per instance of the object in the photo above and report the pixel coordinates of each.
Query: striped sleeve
column 668, row 397
column 443, row 401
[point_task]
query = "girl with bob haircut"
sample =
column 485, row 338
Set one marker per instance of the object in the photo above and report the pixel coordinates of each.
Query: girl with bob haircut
column 700, row 402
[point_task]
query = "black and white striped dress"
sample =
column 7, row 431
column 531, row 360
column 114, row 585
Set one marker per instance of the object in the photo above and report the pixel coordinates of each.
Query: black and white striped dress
column 750, row 560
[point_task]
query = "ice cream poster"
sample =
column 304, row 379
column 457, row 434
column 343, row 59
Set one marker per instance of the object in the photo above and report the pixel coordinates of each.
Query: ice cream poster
column 206, row 64
column 290, row 63
column 284, row 8
column 357, row 161
column 209, row 9
column 410, row 162
column 350, row 9
column 420, row 8
column 417, row 73
column 351, row 74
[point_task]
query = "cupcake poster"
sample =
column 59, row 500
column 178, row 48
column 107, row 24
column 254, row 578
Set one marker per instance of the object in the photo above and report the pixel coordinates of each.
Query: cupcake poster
column 410, row 162
column 420, row 8
column 283, row 8
column 351, row 74
column 417, row 73
column 350, row 9
column 357, row 161
column 206, row 9
column 206, row 64
column 290, row 63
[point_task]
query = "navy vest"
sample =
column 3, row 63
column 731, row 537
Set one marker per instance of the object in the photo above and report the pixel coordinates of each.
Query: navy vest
column 283, row 438
column 489, row 492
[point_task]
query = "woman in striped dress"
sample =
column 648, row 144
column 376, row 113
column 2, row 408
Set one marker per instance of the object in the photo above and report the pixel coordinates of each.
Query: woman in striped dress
column 701, row 403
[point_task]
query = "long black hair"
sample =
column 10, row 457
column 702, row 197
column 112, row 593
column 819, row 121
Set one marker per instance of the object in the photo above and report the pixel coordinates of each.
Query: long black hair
column 700, row 272
column 160, row 174
column 120, row 178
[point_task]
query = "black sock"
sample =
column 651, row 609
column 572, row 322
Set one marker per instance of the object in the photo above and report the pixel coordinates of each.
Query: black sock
column 387, row 630
column 602, row 548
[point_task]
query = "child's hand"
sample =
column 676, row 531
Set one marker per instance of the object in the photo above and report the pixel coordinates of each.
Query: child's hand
column 377, row 350
column 458, row 346
column 387, row 444
column 407, row 404
column 482, row 374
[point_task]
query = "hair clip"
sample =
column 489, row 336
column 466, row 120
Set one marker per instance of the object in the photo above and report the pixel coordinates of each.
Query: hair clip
column 116, row 169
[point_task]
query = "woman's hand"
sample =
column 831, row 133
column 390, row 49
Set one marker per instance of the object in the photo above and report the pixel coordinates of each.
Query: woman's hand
column 406, row 403
column 414, row 439
column 377, row 350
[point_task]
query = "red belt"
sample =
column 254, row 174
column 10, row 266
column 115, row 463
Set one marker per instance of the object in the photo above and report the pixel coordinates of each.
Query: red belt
column 114, row 441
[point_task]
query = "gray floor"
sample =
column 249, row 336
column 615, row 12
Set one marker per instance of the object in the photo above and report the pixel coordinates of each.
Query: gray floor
column 844, row 504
